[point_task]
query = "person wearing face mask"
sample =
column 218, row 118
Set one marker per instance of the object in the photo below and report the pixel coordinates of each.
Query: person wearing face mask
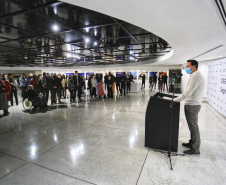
column 193, row 100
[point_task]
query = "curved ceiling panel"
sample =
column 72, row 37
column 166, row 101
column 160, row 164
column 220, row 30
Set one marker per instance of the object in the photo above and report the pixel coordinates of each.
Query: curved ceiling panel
column 191, row 27
column 53, row 33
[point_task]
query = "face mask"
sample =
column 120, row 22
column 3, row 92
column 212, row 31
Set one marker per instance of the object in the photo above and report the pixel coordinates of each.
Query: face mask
column 188, row 70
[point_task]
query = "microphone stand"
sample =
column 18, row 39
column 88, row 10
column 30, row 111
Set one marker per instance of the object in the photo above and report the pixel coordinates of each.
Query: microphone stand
column 169, row 153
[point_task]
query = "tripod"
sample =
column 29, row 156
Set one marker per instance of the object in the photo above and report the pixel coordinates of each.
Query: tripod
column 169, row 153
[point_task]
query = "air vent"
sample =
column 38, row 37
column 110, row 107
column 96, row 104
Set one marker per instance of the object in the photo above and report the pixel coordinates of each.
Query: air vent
column 208, row 51
column 220, row 6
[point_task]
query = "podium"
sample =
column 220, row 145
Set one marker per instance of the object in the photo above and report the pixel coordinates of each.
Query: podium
column 157, row 123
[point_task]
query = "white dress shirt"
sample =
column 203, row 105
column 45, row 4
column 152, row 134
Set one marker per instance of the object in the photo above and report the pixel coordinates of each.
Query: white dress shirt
column 194, row 91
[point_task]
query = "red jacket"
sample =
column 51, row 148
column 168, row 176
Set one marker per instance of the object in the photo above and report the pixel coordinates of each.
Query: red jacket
column 8, row 90
column 32, row 82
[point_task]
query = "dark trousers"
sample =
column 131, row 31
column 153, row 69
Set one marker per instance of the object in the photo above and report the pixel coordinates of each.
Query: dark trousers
column 23, row 88
column 79, row 89
column 191, row 114
column 123, row 88
column 171, row 88
column 165, row 84
column 14, row 92
column 106, row 86
column 59, row 93
column 150, row 84
column 107, row 89
column 72, row 94
column 45, row 92
column 118, row 88
column 154, row 84
column 143, row 85
column 128, row 88
column 53, row 95
column 110, row 94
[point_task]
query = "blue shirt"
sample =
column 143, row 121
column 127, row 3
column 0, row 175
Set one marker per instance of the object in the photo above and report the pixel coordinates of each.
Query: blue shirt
column 23, row 82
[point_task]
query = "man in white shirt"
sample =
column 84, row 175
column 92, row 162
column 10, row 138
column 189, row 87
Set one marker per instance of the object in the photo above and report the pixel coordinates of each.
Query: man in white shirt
column 193, row 100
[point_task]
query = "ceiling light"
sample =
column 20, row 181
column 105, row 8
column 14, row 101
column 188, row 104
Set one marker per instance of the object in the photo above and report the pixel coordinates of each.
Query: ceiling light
column 95, row 43
column 55, row 27
column 87, row 30
column 87, row 40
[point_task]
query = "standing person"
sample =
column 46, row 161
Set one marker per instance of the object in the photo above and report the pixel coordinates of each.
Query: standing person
column 143, row 81
column 117, row 81
column 23, row 84
column 128, row 83
column 71, row 87
column 90, row 85
column 3, row 98
column 123, row 84
column 106, row 81
column 78, row 86
column 45, row 86
column 110, row 84
column 100, row 87
column 32, row 81
column 29, row 78
column 13, row 84
column 131, row 77
column 150, row 81
column 59, row 87
column 53, row 88
column 83, row 83
column 38, row 83
column 172, row 84
column 160, row 80
column 193, row 100
column 94, row 87
column 165, row 78
column 63, row 84
column 154, row 81
column 6, row 88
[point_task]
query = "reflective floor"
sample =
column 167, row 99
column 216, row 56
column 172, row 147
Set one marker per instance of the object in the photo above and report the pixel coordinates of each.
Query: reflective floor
column 102, row 142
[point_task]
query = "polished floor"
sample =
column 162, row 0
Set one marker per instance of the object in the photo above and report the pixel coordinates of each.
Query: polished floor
column 102, row 142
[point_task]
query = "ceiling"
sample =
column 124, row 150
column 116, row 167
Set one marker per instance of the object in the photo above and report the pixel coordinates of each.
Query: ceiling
column 49, row 33
column 194, row 29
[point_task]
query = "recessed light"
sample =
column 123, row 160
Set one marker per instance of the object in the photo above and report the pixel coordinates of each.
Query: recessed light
column 55, row 27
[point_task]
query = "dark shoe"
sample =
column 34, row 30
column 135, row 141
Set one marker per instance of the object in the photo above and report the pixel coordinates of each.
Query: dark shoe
column 186, row 145
column 190, row 152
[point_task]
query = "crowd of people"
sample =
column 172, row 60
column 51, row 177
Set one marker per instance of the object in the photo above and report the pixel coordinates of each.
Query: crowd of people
column 162, row 82
column 39, row 87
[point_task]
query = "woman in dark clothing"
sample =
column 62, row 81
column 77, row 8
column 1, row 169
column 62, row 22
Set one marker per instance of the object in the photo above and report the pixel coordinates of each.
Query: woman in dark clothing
column 128, row 83
column 117, row 81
